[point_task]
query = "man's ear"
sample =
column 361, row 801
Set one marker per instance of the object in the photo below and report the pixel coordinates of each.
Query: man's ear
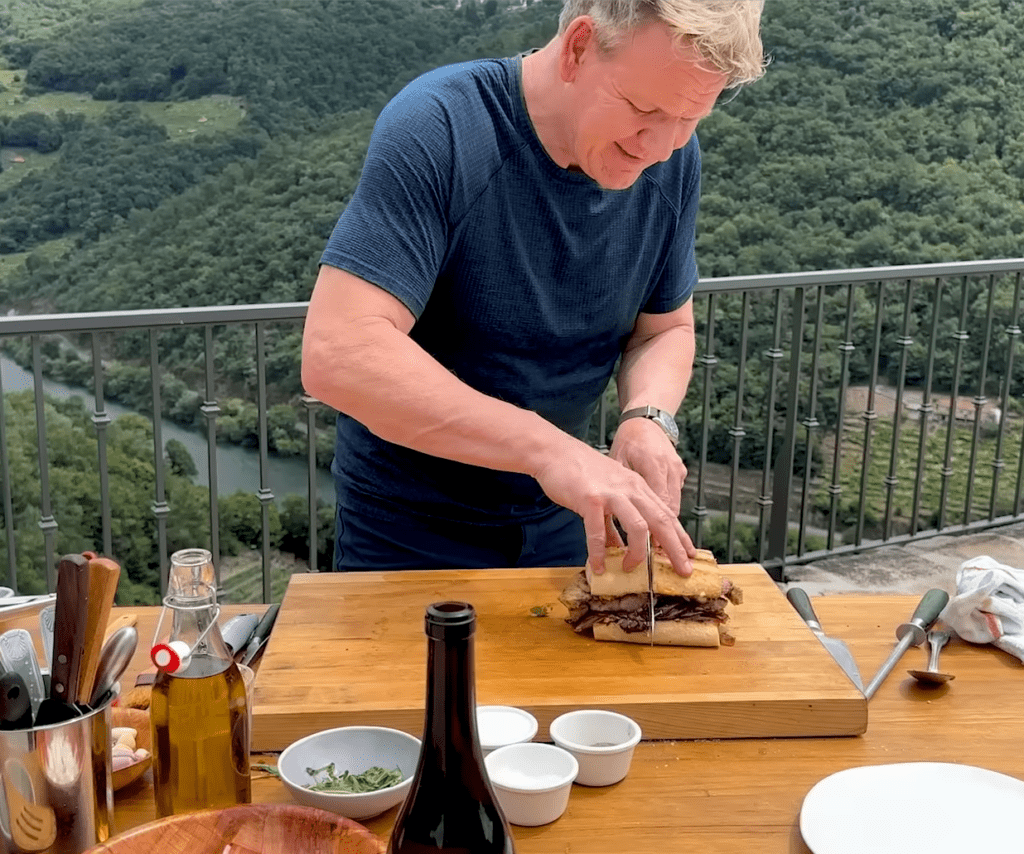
column 578, row 38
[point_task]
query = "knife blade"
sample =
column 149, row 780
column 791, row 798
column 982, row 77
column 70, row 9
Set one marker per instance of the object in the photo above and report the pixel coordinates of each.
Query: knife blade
column 911, row 633
column 650, row 586
column 839, row 651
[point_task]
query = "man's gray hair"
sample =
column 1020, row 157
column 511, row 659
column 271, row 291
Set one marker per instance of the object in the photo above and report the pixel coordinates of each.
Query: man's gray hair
column 726, row 33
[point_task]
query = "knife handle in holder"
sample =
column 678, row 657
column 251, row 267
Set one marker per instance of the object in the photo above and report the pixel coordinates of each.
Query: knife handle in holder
column 103, row 575
column 69, row 627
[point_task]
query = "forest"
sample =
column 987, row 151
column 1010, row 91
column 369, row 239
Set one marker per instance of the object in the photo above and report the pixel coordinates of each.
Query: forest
column 884, row 132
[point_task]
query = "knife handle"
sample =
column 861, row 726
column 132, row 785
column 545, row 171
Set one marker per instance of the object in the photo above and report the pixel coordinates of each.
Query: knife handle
column 266, row 622
column 926, row 613
column 261, row 633
column 799, row 599
column 930, row 606
column 15, row 704
column 69, row 626
column 103, row 575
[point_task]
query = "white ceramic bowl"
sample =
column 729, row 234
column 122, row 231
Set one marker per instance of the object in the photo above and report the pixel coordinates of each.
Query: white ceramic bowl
column 531, row 781
column 602, row 742
column 501, row 725
column 353, row 749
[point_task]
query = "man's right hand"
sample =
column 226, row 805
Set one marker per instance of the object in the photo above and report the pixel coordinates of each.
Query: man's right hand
column 599, row 489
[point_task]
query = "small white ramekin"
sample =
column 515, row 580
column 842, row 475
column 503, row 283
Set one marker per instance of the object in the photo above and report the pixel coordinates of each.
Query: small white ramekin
column 501, row 725
column 602, row 742
column 531, row 781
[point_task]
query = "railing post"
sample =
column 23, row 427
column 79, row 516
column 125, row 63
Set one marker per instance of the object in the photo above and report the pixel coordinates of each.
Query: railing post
column 782, row 479
column 5, row 474
column 210, row 411
column 708, row 361
column 161, row 510
column 309, row 404
column 265, row 494
column 47, row 524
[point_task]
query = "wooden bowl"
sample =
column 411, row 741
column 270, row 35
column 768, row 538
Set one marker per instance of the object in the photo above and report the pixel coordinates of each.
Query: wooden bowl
column 138, row 720
column 252, row 828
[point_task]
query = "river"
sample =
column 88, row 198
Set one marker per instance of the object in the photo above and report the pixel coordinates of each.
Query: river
column 238, row 468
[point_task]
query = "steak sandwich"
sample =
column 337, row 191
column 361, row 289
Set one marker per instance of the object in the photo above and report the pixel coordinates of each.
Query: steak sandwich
column 688, row 611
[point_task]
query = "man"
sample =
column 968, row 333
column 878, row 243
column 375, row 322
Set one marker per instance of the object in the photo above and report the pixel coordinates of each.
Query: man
column 520, row 226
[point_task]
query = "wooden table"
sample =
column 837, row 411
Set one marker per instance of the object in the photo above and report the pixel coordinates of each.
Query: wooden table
column 744, row 795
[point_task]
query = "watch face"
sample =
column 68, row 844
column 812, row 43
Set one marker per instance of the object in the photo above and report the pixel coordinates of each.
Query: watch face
column 669, row 423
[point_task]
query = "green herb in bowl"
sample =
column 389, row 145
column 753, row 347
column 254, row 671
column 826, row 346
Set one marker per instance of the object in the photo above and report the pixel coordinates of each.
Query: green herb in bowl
column 371, row 780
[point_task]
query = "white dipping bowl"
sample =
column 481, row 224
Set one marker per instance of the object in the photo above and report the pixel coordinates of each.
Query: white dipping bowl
column 531, row 781
column 353, row 749
column 602, row 742
column 501, row 725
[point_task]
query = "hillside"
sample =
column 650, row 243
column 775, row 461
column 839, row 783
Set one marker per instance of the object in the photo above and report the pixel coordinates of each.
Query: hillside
column 198, row 152
column 891, row 132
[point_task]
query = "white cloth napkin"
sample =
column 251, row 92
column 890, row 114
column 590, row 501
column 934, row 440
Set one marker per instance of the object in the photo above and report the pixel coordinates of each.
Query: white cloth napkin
column 989, row 605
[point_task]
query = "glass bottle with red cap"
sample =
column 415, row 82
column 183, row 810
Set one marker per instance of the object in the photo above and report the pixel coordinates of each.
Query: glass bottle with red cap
column 198, row 706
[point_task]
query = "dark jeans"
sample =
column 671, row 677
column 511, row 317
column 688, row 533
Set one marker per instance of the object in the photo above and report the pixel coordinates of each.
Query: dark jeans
column 363, row 541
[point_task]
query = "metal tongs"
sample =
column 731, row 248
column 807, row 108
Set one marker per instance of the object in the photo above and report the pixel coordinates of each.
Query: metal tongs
column 650, row 585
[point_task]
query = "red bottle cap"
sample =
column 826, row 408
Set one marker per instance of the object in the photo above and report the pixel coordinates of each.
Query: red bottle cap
column 172, row 656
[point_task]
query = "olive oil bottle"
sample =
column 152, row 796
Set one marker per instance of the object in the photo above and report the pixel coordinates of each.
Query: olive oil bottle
column 198, row 707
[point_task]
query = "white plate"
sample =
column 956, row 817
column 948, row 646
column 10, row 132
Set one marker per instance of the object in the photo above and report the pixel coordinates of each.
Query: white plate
column 935, row 807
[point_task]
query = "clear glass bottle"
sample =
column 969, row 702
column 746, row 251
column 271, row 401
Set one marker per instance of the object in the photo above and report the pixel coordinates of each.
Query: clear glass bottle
column 198, row 706
column 451, row 808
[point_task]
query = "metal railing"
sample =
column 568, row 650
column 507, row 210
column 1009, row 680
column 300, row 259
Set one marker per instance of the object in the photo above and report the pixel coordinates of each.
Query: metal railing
column 814, row 454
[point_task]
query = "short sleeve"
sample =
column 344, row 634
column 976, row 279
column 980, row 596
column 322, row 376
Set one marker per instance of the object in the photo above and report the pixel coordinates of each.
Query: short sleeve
column 678, row 276
column 394, row 231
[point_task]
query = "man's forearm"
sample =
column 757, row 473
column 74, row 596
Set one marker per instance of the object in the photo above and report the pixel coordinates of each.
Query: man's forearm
column 382, row 378
column 657, row 371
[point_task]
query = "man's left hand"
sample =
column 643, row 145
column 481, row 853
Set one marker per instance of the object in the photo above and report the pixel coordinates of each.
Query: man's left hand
column 641, row 445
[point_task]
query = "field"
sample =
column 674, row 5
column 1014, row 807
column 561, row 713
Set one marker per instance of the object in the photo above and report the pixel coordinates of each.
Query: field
column 37, row 18
column 184, row 120
column 933, row 485
column 181, row 118
column 51, row 250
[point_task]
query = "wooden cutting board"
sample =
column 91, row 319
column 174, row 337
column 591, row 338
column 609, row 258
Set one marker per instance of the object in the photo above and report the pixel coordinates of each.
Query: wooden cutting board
column 349, row 648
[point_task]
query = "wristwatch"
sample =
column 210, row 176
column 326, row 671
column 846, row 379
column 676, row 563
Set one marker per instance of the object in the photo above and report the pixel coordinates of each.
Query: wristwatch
column 660, row 416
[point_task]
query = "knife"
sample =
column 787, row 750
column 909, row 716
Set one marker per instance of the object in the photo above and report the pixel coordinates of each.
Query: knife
column 910, row 634
column 69, row 628
column 102, row 575
column 260, row 635
column 650, row 585
column 839, row 651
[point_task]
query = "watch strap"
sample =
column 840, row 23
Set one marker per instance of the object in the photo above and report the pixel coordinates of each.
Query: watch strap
column 663, row 419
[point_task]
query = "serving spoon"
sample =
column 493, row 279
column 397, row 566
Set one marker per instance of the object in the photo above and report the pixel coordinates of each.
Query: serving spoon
column 937, row 639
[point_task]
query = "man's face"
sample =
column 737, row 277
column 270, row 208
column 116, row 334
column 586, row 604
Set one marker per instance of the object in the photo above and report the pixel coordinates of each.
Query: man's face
column 637, row 104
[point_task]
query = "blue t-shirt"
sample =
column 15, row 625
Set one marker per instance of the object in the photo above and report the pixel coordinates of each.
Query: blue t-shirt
column 525, row 278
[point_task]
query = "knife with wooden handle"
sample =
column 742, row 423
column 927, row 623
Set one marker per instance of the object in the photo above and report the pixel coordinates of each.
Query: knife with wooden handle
column 69, row 623
column 103, row 574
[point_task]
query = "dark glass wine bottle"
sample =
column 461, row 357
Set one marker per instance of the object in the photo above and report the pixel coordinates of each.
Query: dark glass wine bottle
column 451, row 808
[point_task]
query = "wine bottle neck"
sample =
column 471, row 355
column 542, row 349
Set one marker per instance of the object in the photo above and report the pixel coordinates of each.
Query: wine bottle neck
column 451, row 698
